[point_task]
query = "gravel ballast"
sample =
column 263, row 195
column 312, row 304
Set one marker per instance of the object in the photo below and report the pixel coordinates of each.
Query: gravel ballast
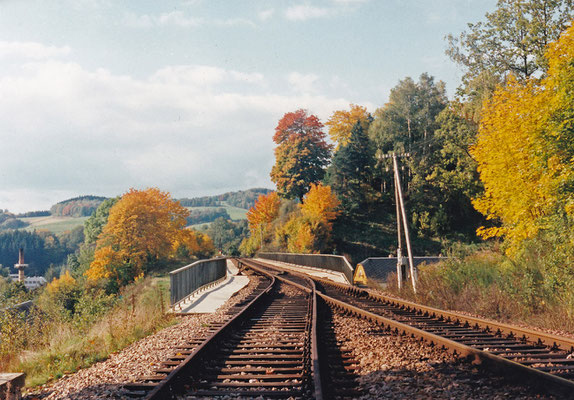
column 400, row 367
column 103, row 380
column 390, row 366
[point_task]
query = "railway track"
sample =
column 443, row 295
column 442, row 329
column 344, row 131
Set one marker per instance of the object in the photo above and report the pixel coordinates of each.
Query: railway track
column 335, row 368
column 268, row 349
column 541, row 360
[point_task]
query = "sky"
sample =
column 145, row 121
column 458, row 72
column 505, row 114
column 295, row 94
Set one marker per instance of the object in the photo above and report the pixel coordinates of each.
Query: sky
column 99, row 96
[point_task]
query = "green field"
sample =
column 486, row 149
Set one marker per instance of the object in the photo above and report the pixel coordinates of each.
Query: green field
column 57, row 224
column 234, row 212
column 53, row 223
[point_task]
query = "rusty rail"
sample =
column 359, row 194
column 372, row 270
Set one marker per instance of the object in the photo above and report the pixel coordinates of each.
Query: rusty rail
column 542, row 360
column 242, row 339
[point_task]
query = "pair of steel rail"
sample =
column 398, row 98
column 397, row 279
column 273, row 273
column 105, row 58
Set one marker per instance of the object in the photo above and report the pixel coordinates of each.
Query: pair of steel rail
column 536, row 358
column 268, row 349
column 543, row 361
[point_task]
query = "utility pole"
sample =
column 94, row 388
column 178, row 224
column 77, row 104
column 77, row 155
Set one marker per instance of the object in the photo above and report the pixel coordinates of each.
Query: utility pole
column 401, row 206
column 402, row 221
column 399, row 250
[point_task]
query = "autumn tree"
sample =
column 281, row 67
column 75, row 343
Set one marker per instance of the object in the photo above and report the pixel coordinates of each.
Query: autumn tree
column 259, row 218
column 341, row 123
column 190, row 244
column 264, row 211
column 511, row 40
column 301, row 154
column 308, row 230
column 64, row 292
column 524, row 150
column 320, row 204
column 141, row 230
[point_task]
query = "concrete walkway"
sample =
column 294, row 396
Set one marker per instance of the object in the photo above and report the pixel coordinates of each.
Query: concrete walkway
column 208, row 301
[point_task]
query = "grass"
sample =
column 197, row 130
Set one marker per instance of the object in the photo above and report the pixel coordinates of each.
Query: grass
column 54, row 224
column 235, row 213
column 56, row 347
column 486, row 283
column 57, row 224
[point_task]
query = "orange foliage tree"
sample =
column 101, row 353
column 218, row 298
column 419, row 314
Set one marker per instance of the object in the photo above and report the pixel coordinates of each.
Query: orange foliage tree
column 259, row 218
column 141, row 230
column 189, row 242
column 342, row 122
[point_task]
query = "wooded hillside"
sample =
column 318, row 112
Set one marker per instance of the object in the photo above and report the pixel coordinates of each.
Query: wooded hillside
column 82, row 206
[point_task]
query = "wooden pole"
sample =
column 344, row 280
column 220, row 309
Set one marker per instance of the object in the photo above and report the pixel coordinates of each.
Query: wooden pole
column 405, row 223
column 399, row 250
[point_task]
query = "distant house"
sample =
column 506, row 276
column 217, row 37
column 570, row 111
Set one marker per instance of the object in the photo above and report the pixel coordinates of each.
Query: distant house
column 31, row 282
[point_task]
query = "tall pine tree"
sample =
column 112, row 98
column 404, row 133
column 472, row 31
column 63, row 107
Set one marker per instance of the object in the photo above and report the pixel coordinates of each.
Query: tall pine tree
column 351, row 170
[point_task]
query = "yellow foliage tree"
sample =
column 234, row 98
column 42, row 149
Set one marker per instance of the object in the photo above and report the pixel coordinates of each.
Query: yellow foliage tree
column 64, row 293
column 63, row 284
column 341, row 123
column 107, row 263
column 190, row 242
column 309, row 230
column 141, row 229
column 321, row 204
column 525, row 149
column 260, row 217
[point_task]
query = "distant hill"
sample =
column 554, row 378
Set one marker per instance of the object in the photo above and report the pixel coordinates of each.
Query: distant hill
column 9, row 221
column 240, row 199
column 201, row 215
column 82, row 206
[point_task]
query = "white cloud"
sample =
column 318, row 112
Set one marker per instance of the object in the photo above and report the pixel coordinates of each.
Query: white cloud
column 304, row 12
column 203, row 76
column 31, row 50
column 188, row 129
column 180, row 20
column 350, row 2
column 264, row 15
column 233, row 22
column 303, row 83
column 174, row 18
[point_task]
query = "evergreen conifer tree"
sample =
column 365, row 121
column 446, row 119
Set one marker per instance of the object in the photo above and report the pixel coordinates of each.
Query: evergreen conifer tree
column 350, row 172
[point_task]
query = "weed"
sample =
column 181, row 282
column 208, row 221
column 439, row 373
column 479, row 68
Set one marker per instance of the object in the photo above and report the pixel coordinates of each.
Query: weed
column 49, row 344
column 481, row 280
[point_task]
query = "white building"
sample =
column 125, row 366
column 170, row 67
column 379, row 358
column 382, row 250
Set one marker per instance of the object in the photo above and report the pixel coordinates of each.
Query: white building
column 31, row 282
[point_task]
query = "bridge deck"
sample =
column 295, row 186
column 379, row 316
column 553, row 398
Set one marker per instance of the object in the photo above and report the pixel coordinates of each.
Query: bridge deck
column 209, row 300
